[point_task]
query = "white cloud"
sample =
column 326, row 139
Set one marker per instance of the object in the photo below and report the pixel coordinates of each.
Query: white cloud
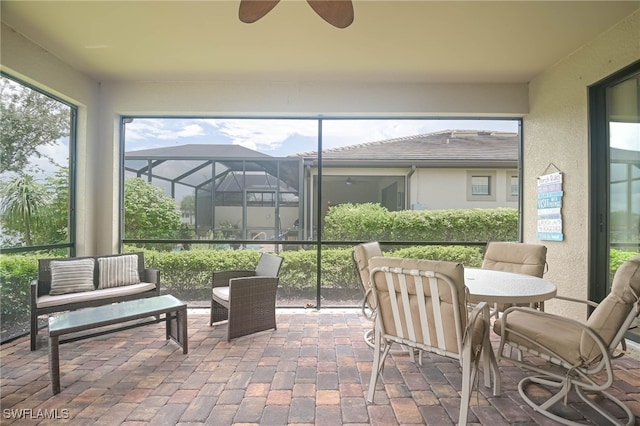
column 289, row 136
column 162, row 129
column 42, row 167
column 260, row 134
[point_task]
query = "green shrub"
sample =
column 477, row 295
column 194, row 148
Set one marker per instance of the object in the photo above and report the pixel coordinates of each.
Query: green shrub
column 16, row 274
column 366, row 222
column 468, row 256
column 618, row 257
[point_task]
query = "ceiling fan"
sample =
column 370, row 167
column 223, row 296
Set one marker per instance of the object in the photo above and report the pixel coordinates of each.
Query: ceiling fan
column 338, row 13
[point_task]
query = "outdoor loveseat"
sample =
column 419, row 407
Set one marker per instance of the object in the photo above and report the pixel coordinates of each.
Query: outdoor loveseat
column 74, row 283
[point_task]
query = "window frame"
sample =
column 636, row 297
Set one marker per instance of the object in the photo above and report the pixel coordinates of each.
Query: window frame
column 70, row 245
column 491, row 175
column 510, row 176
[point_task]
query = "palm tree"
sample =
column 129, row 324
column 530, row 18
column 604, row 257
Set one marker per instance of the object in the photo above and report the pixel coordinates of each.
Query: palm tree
column 22, row 198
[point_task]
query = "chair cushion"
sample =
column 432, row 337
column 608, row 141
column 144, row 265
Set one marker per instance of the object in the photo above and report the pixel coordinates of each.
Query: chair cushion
column 454, row 271
column 118, row 271
column 607, row 318
column 221, row 293
column 362, row 253
column 71, row 276
column 85, row 296
column 516, row 257
column 561, row 337
column 268, row 265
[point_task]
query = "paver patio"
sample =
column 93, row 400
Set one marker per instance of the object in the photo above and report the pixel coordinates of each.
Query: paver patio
column 314, row 369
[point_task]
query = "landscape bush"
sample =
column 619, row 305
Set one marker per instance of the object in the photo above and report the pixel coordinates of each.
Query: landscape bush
column 16, row 274
column 369, row 221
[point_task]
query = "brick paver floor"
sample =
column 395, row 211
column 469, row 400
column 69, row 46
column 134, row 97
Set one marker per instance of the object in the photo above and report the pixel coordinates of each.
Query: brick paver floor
column 314, row 369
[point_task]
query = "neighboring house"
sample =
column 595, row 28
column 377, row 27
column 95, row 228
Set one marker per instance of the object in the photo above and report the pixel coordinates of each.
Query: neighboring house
column 452, row 169
column 236, row 188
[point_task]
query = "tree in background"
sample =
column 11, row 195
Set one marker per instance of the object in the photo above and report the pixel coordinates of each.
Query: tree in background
column 148, row 212
column 53, row 218
column 29, row 121
column 21, row 201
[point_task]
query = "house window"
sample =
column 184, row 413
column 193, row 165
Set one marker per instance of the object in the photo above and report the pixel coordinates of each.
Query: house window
column 513, row 187
column 481, row 186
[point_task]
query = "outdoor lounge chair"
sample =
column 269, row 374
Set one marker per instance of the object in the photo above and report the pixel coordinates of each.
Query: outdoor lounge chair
column 579, row 354
column 421, row 304
column 246, row 298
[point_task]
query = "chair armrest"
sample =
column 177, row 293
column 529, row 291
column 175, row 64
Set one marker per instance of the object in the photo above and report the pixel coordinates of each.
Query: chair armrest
column 571, row 299
column 34, row 293
column 222, row 278
column 248, row 290
column 152, row 275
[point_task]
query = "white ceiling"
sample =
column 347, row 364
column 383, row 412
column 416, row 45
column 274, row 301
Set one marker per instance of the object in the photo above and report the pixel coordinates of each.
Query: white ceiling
column 404, row 41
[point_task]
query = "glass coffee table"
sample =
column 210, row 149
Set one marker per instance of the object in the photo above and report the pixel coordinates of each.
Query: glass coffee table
column 174, row 310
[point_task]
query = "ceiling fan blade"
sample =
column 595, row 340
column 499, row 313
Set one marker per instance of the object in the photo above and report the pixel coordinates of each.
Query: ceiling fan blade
column 338, row 13
column 252, row 10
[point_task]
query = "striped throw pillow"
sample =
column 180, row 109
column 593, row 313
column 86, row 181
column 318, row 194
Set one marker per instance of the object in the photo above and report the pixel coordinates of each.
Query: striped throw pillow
column 118, row 271
column 71, row 276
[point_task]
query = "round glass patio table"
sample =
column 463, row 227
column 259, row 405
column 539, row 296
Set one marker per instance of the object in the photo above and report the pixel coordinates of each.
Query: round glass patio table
column 486, row 285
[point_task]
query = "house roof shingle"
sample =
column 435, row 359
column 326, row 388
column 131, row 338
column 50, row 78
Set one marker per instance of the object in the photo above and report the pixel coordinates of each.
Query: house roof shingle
column 450, row 147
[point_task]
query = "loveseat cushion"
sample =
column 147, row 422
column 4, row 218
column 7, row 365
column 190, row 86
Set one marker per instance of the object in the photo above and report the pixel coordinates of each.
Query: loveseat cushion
column 117, row 271
column 71, row 276
column 64, row 299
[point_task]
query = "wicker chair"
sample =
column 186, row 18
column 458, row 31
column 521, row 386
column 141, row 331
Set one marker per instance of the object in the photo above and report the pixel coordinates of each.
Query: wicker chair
column 530, row 259
column 246, row 298
column 422, row 304
column 578, row 354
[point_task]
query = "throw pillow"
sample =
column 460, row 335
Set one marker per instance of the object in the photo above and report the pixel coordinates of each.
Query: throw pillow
column 118, row 271
column 71, row 276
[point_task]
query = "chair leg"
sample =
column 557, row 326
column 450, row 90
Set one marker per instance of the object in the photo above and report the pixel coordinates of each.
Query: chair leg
column 34, row 330
column 379, row 355
column 565, row 387
column 218, row 313
column 469, row 371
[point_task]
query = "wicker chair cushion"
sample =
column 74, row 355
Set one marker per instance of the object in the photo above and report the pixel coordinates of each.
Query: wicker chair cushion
column 118, row 271
column 268, row 265
column 221, row 293
column 71, row 276
column 47, row 301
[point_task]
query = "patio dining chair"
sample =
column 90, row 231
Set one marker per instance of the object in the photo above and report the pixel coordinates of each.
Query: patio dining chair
column 422, row 304
column 361, row 255
column 578, row 354
column 530, row 259
column 246, row 299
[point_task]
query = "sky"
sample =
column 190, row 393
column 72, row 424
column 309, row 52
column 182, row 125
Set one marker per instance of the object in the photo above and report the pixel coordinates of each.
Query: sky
column 284, row 137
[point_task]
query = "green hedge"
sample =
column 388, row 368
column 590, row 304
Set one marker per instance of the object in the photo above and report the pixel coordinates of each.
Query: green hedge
column 370, row 221
column 191, row 270
column 16, row 274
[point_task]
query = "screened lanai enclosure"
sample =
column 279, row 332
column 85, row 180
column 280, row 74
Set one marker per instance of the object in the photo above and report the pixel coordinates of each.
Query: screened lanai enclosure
column 226, row 192
column 203, row 194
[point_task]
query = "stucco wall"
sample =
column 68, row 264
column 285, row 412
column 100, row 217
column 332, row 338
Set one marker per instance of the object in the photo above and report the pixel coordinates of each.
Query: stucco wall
column 440, row 189
column 282, row 99
column 556, row 131
column 30, row 63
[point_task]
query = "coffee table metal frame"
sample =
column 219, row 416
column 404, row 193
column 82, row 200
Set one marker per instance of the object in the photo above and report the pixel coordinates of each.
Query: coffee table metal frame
column 175, row 312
